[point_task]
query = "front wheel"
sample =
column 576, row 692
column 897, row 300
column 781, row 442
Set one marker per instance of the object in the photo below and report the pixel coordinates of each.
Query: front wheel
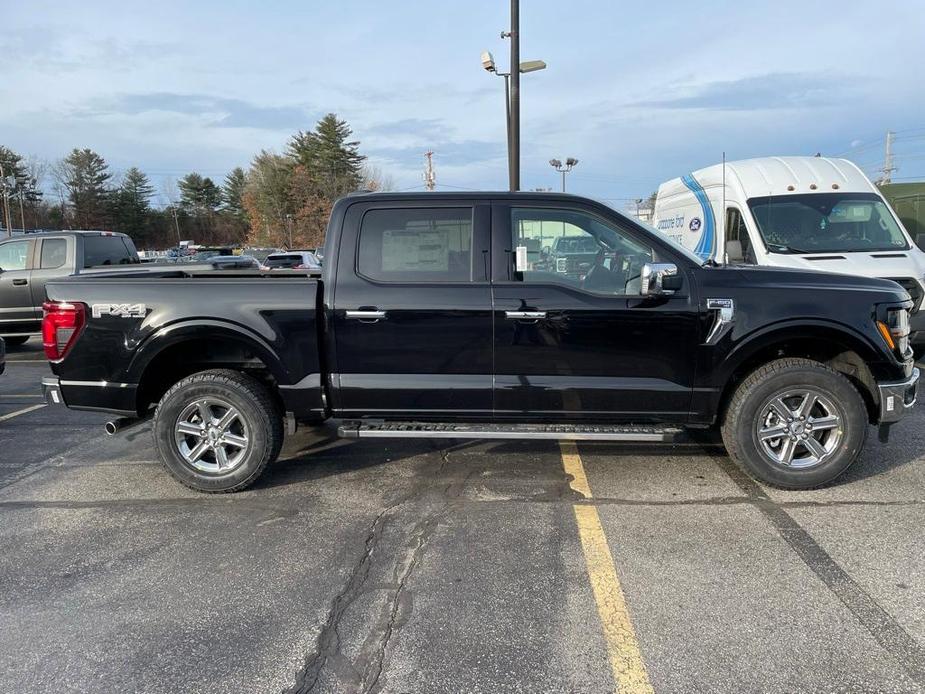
column 795, row 423
column 216, row 431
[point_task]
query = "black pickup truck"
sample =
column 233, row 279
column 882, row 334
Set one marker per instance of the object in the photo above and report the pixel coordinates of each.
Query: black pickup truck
column 430, row 319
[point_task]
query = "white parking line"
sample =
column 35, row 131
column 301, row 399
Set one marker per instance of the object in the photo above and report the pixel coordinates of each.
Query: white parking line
column 25, row 410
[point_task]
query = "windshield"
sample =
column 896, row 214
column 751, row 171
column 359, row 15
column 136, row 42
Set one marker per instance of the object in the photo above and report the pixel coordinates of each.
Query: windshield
column 827, row 223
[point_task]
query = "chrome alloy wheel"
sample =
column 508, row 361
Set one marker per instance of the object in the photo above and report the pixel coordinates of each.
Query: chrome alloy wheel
column 211, row 436
column 799, row 428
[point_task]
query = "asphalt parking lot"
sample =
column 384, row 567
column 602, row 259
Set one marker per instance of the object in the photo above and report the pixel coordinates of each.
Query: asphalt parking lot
column 449, row 567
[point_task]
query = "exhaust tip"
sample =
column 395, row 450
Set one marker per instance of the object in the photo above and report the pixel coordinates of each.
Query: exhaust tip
column 111, row 428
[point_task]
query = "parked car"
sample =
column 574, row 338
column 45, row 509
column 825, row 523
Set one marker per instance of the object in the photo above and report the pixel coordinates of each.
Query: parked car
column 426, row 322
column 28, row 262
column 796, row 212
column 289, row 260
column 261, row 254
column 233, row 262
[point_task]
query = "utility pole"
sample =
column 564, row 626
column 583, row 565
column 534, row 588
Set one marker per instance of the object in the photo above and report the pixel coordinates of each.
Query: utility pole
column 430, row 176
column 176, row 223
column 515, row 95
column 22, row 214
column 289, row 226
column 888, row 165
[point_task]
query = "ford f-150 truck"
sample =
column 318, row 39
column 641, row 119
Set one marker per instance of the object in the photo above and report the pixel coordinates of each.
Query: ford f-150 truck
column 430, row 319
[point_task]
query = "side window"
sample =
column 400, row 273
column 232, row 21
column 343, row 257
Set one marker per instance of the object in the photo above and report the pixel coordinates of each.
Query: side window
column 578, row 250
column 13, row 256
column 416, row 245
column 54, row 253
column 738, row 244
column 105, row 250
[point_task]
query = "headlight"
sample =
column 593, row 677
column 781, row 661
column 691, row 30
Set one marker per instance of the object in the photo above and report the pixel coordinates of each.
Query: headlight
column 896, row 330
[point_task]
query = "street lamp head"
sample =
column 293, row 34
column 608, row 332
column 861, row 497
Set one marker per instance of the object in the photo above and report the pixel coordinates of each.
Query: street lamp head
column 555, row 163
column 532, row 66
column 571, row 161
column 488, row 61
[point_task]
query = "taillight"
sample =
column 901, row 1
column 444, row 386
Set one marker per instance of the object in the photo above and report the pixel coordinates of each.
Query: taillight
column 61, row 325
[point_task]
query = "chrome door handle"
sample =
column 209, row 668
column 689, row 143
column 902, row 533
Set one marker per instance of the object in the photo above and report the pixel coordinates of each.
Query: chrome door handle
column 525, row 315
column 20, row 283
column 370, row 315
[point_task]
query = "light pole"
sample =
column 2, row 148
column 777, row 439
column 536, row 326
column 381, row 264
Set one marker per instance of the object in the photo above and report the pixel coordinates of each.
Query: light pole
column 511, row 111
column 6, row 203
column 570, row 164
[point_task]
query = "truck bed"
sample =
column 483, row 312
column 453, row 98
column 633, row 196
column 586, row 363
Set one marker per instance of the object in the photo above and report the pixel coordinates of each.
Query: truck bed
column 271, row 318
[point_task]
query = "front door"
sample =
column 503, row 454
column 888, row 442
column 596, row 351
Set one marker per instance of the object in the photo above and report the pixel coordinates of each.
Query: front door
column 18, row 314
column 412, row 311
column 574, row 337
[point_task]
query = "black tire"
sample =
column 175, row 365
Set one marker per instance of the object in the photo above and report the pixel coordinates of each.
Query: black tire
column 16, row 341
column 751, row 409
column 257, row 419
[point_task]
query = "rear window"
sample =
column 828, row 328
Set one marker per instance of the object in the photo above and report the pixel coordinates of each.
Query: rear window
column 284, row 261
column 416, row 245
column 54, row 253
column 101, row 251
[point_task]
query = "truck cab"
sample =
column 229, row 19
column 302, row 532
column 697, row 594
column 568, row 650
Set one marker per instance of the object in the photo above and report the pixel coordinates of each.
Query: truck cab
column 794, row 212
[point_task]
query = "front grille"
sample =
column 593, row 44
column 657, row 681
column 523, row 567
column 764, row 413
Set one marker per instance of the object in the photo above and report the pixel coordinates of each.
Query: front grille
column 913, row 287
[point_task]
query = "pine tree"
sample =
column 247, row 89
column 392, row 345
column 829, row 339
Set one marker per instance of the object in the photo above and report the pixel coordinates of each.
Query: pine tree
column 85, row 176
column 199, row 195
column 330, row 156
column 133, row 204
column 233, row 192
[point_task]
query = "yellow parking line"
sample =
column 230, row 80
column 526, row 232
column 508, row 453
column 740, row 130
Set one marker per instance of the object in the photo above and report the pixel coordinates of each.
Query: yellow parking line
column 25, row 410
column 629, row 670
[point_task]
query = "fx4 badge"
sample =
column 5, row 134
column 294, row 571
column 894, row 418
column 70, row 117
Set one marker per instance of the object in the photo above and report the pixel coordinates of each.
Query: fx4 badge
column 119, row 310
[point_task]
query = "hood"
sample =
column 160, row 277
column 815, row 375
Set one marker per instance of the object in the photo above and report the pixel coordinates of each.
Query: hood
column 817, row 281
column 909, row 263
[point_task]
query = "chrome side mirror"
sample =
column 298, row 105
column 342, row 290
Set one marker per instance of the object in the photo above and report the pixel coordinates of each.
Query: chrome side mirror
column 658, row 279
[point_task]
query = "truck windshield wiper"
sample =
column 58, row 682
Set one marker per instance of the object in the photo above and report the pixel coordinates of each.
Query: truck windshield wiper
column 790, row 249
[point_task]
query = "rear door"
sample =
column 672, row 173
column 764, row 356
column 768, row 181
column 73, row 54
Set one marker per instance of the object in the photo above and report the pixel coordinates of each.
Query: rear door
column 17, row 311
column 578, row 340
column 412, row 311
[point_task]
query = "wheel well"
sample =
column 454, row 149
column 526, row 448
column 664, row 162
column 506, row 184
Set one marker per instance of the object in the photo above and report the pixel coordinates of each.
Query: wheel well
column 178, row 361
column 829, row 352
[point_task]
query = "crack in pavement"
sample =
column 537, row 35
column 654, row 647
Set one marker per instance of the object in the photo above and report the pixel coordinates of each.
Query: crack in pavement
column 364, row 674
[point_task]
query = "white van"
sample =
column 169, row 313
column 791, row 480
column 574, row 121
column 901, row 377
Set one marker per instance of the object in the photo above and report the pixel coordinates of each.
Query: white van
column 796, row 212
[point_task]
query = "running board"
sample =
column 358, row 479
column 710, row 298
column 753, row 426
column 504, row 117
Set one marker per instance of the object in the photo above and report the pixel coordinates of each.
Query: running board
column 573, row 432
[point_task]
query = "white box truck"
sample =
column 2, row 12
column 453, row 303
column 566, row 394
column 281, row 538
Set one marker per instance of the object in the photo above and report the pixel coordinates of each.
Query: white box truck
column 797, row 212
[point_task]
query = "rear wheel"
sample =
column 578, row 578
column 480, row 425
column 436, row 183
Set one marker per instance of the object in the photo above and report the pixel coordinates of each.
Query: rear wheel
column 795, row 423
column 216, row 431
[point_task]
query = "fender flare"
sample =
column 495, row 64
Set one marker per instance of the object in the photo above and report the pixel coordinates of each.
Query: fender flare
column 766, row 336
column 173, row 334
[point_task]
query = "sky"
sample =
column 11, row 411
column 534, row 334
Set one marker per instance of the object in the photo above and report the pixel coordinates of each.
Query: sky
column 638, row 92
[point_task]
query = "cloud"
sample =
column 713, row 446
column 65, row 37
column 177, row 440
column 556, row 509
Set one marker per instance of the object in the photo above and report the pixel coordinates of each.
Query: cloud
column 418, row 128
column 770, row 91
column 221, row 111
